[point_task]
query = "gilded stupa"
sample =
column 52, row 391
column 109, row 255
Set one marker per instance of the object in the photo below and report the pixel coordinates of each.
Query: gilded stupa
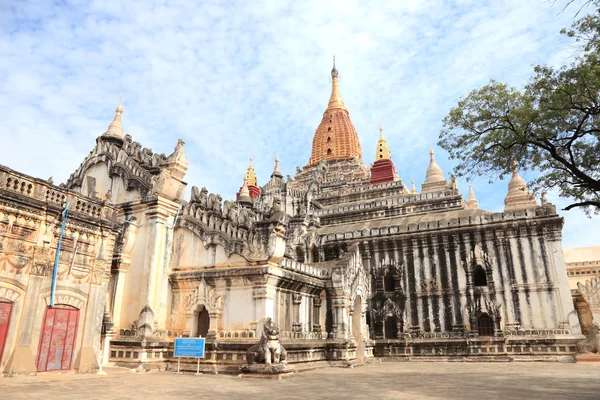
column 335, row 137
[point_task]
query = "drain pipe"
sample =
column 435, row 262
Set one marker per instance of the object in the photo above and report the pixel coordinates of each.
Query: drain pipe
column 65, row 214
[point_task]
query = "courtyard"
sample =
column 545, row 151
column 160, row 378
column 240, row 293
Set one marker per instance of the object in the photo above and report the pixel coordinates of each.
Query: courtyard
column 386, row 380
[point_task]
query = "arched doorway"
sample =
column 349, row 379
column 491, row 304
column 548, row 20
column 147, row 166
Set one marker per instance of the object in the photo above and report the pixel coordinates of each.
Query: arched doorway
column 57, row 342
column 485, row 325
column 357, row 329
column 5, row 312
column 391, row 328
column 203, row 323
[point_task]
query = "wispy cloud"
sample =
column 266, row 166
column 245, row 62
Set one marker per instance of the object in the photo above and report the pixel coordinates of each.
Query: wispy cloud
column 243, row 79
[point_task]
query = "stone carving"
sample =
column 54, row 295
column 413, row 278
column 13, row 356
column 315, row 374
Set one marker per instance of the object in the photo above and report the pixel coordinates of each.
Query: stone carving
column 269, row 350
column 592, row 343
column 214, row 202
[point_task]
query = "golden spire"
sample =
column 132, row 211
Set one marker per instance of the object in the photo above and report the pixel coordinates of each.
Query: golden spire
column 250, row 176
column 115, row 129
column 413, row 190
column 335, row 100
column 383, row 151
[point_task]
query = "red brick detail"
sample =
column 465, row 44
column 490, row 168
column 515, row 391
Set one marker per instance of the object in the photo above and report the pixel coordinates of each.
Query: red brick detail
column 383, row 171
column 254, row 191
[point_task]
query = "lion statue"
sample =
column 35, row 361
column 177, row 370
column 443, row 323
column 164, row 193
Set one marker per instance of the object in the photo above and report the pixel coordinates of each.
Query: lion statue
column 269, row 350
column 591, row 344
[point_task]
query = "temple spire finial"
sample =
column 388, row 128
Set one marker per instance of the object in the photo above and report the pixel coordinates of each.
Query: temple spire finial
column 115, row 129
column 335, row 101
column 250, row 176
column 472, row 200
column 276, row 171
column 381, row 131
column 334, row 71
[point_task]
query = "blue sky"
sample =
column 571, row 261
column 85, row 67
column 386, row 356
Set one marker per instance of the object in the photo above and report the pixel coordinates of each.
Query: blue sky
column 240, row 79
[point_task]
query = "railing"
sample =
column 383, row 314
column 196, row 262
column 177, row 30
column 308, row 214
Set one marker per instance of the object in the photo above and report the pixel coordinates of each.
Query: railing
column 46, row 192
column 305, row 269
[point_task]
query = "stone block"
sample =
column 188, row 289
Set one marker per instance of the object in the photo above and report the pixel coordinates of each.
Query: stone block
column 21, row 362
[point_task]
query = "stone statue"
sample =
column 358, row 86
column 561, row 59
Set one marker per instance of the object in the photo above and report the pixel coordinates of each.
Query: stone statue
column 592, row 343
column 269, row 350
column 276, row 213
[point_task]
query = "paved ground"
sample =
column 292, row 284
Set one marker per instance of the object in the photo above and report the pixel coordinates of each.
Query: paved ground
column 374, row 381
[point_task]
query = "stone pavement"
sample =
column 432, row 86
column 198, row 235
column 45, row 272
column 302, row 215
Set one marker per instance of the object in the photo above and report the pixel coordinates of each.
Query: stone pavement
column 387, row 380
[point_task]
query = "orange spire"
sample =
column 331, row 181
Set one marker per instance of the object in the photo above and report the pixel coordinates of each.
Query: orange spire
column 335, row 100
column 336, row 137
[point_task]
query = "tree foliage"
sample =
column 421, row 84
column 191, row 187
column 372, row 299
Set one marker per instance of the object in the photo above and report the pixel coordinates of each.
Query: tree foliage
column 551, row 126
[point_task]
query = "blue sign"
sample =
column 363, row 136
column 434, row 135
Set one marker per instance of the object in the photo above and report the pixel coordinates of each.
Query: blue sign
column 189, row 347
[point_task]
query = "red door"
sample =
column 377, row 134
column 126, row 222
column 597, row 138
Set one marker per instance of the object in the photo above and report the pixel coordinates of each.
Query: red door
column 5, row 310
column 58, row 338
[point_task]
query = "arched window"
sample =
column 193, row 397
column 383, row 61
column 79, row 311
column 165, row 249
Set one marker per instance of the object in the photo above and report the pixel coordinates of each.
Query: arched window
column 388, row 282
column 328, row 139
column 391, row 328
column 300, row 254
column 479, row 276
column 485, row 325
column 314, row 253
column 328, row 151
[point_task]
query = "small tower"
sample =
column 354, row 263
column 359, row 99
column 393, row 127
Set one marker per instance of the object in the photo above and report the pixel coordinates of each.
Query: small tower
column 472, row 201
column 518, row 197
column 276, row 171
column 434, row 177
column 383, row 169
column 115, row 129
column 251, row 181
column 413, row 190
column 243, row 196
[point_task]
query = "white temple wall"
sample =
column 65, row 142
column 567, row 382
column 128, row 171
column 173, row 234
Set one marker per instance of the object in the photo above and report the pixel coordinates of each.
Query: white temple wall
column 239, row 310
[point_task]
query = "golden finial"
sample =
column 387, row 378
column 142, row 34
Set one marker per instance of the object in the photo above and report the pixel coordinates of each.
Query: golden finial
column 335, row 100
column 514, row 166
column 250, row 176
column 383, row 150
column 413, row 190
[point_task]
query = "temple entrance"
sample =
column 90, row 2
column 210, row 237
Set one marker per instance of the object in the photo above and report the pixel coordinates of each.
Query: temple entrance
column 357, row 329
column 391, row 328
column 203, row 323
column 57, row 341
column 485, row 325
column 5, row 311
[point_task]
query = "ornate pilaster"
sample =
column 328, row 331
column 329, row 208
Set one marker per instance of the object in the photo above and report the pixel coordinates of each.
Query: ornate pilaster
column 316, row 314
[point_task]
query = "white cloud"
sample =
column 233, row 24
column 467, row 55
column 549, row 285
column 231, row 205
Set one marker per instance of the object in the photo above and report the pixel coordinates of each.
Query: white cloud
column 252, row 78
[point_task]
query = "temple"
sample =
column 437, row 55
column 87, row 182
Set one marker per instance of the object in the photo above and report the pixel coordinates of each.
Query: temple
column 341, row 263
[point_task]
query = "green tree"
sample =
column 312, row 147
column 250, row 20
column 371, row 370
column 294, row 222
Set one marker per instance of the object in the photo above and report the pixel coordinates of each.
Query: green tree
column 551, row 126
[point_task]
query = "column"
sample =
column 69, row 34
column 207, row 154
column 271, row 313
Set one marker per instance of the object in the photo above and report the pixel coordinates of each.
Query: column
column 316, row 315
column 297, row 325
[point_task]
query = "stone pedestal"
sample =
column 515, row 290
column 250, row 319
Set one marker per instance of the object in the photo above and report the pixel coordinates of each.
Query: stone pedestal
column 106, row 338
column 271, row 371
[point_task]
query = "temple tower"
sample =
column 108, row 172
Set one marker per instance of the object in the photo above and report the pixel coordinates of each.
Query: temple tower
column 335, row 137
